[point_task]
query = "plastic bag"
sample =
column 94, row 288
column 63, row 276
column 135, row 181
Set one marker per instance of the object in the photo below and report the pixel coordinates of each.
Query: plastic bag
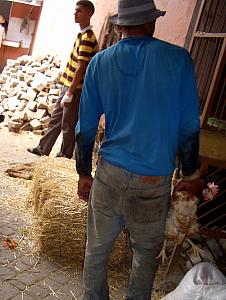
column 202, row 282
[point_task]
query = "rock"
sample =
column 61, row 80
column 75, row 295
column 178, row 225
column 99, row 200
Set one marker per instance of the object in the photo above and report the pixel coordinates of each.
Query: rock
column 3, row 95
column 53, row 99
column 22, row 105
column 6, row 107
column 28, row 81
column 40, row 113
column 24, row 89
column 2, row 80
column 44, row 131
column 30, row 95
column 14, row 126
column 13, row 76
column 39, row 82
column 13, row 70
column 38, row 131
column 28, row 88
column 45, row 126
column 28, row 70
column 42, row 102
column 21, row 76
column 16, row 117
column 43, row 94
column 55, row 92
column 9, row 114
column 43, row 68
column 35, row 124
column 13, row 92
column 13, row 103
column 32, row 105
column 1, row 109
column 14, row 83
column 50, row 108
column 26, row 126
column 28, row 115
column 44, row 120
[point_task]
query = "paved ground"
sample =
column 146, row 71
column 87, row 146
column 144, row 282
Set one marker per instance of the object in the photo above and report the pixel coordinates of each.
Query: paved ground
column 23, row 275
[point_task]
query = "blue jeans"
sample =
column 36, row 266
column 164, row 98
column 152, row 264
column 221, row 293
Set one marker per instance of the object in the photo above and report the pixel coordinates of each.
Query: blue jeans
column 121, row 199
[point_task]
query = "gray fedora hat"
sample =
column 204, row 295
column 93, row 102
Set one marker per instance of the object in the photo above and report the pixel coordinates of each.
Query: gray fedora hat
column 136, row 12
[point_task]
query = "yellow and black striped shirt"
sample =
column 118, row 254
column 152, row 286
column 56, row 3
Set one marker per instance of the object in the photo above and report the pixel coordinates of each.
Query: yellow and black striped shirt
column 84, row 48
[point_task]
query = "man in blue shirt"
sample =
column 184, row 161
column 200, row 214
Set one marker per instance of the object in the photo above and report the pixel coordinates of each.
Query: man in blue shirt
column 147, row 90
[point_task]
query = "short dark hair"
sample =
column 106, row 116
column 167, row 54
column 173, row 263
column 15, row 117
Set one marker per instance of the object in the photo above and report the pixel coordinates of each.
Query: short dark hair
column 87, row 4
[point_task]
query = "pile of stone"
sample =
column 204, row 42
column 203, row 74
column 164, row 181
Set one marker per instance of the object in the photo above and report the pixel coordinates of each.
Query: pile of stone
column 29, row 88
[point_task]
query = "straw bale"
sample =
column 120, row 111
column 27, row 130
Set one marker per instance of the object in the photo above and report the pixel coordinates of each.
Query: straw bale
column 45, row 235
column 60, row 226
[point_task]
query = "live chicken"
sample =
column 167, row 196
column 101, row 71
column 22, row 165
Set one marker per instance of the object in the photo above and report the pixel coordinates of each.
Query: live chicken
column 181, row 222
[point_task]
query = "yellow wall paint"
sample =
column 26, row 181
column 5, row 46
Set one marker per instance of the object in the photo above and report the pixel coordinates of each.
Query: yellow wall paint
column 213, row 145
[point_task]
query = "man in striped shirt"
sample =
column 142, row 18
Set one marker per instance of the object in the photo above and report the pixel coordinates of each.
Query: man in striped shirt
column 65, row 114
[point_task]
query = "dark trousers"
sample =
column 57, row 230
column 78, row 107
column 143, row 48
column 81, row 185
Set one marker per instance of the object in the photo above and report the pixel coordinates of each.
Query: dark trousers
column 64, row 119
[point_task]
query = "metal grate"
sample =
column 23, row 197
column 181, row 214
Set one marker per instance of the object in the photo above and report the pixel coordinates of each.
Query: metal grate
column 205, row 52
column 208, row 50
column 212, row 18
column 212, row 213
column 217, row 115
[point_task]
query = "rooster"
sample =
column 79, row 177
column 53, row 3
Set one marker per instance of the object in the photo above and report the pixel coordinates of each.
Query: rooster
column 181, row 222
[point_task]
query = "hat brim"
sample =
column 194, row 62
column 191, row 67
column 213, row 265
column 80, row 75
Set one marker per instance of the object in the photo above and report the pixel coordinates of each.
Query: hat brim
column 133, row 22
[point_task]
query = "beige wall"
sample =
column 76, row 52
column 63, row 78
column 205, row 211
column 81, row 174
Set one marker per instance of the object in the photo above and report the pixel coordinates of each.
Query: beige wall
column 103, row 8
column 57, row 30
column 172, row 27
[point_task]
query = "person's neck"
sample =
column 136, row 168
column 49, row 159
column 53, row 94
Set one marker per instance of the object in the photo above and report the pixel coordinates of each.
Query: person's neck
column 82, row 26
column 135, row 33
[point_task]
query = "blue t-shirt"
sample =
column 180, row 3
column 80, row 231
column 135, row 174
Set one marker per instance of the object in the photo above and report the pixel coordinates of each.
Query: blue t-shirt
column 147, row 90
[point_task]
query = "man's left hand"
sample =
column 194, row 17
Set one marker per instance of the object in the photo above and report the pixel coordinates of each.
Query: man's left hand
column 84, row 186
column 194, row 187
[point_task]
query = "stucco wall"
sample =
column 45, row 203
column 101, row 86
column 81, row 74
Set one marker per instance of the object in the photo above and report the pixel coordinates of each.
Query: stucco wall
column 172, row 27
column 57, row 30
column 103, row 8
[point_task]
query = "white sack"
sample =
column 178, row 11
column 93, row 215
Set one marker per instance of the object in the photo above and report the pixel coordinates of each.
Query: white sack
column 202, row 282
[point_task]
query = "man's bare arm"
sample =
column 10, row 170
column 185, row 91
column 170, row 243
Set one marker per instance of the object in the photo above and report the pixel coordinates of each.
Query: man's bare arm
column 79, row 74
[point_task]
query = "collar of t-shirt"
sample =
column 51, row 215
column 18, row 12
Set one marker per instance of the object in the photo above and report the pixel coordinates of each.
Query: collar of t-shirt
column 86, row 28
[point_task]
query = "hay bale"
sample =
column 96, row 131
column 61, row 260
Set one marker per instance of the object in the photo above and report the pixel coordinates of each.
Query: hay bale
column 60, row 227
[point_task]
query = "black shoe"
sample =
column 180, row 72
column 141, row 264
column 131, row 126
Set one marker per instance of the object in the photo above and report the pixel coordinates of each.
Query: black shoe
column 35, row 151
column 2, row 118
column 60, row 154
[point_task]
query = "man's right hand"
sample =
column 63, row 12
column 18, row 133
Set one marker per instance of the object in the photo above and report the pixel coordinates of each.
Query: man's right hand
column 84, row 186
column 67, row 98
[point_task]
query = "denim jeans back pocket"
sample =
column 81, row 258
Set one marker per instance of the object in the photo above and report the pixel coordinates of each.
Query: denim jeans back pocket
column 143, row 208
